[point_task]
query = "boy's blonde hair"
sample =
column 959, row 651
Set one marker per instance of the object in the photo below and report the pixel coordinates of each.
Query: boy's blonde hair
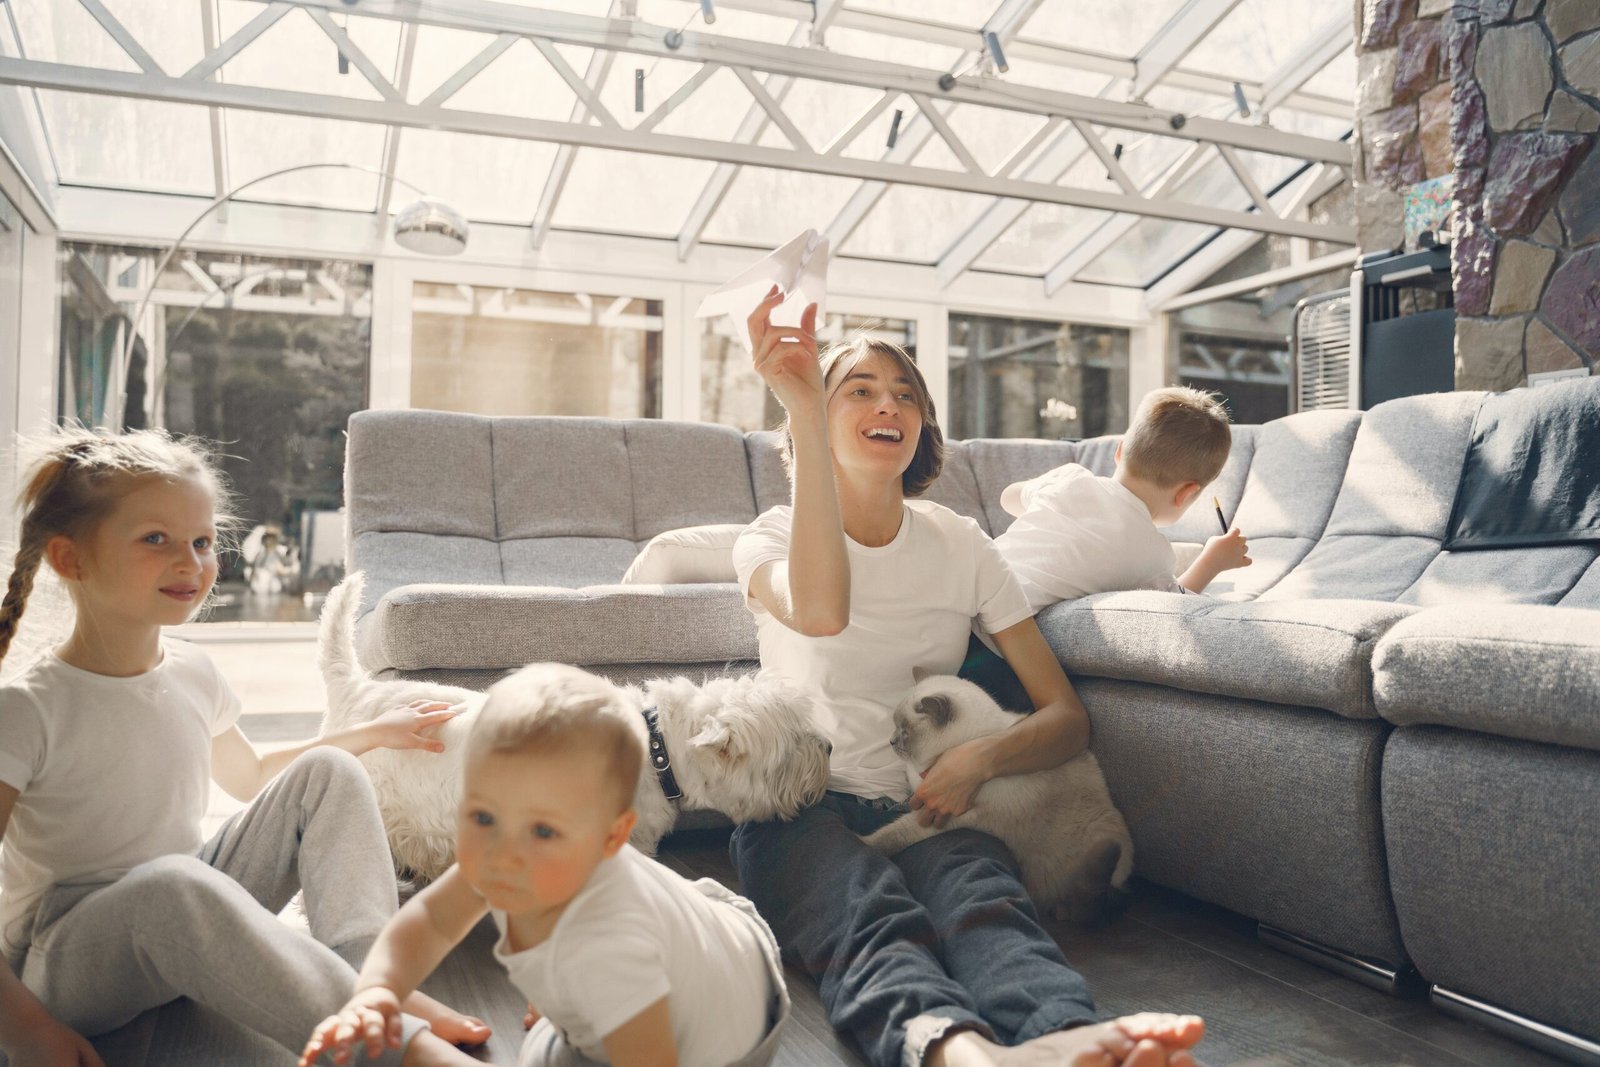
column 551, row 707
column 1178, row 435
column 838, row 361
column 74, row 477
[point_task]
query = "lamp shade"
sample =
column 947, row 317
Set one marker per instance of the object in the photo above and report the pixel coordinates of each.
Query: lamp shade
column 432, row 228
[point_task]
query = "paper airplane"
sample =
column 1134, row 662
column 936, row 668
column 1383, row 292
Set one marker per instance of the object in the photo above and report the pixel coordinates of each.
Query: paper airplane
column 800, row 269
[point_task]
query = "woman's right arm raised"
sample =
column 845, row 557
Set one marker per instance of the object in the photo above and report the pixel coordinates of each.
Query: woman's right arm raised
column 28, row 1033
column 809, row 592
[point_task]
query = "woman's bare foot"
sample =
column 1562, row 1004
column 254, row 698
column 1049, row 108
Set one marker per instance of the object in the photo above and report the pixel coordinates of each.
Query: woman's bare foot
column 429, row 1050
column 449, row 1024
column 1146, row 1040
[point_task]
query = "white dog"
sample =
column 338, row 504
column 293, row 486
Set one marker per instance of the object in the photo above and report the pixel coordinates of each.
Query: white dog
column 741, row 746
column 1071, row 843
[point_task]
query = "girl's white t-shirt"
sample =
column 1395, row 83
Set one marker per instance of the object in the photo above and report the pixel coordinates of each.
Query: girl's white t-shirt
column 111, row 772
column 637, row 932
column 912, row 605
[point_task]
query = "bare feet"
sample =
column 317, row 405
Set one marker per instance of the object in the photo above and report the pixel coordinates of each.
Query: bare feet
column 447, row 1023
column 1145, row 1040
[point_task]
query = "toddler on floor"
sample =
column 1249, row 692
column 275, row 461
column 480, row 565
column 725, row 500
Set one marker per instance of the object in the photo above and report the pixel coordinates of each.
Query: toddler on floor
column 625, row 961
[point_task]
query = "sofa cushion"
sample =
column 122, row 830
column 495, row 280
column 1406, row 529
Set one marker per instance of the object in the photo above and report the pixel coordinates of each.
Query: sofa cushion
column 1500, row 576
column 768, row 480
column 470, row 627
column 426, row 472
column 573, row 562
column 1296, row 468
column 1585, row 593
column 686, row 474
column 1311, row 653
column 562, row 477
column 1523, row 671
column 956, row 487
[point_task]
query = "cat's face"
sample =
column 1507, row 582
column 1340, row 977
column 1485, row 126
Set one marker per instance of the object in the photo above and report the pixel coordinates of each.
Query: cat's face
column 940, row 713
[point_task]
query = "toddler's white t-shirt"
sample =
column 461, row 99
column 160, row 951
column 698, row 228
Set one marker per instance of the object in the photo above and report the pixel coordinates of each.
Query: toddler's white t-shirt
column 912, row 605
column 111, row 772
column 637, row 932
column 1077, row 533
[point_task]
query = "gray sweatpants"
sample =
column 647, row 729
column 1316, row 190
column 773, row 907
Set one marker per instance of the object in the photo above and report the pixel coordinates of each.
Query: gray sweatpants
column 206, row 927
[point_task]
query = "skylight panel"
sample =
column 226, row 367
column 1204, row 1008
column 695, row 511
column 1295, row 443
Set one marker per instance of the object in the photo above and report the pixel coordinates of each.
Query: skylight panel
column 489, row 179
column 765, row 207
column 1043, row 234
column 628, row 192
column 260, row 142
column 914, row 223
column 124, row 143
column 1120, row 27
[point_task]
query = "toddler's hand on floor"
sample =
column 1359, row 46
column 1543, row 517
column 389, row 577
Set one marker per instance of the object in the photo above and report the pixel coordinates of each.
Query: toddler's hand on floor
column 530, row 1017
column 372, row 1017
column 950, row 784
column 407, row 726
column 1228, row 551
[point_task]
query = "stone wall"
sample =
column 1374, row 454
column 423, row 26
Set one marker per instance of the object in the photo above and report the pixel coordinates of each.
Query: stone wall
column 1525, row 83
column 1512, row 87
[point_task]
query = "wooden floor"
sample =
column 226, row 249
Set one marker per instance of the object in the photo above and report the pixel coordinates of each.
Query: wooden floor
column 1167, row 952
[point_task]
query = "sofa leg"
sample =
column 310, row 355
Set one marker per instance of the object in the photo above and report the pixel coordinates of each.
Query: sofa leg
column 1404, row 982
column 1519, row 1028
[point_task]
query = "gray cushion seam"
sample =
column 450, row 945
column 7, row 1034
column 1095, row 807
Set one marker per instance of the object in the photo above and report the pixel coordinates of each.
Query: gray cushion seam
column 494, row 504
column 1357, row 635
column 1515, row 641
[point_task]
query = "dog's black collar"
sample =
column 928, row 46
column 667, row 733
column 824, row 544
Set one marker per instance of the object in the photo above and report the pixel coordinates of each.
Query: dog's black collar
column 658, row 755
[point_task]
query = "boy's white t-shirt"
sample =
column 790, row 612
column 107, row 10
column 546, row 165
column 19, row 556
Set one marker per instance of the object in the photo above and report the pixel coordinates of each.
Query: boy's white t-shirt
column 111, row 772
column 1078, row 533
column 913, row 603
column 637, row 932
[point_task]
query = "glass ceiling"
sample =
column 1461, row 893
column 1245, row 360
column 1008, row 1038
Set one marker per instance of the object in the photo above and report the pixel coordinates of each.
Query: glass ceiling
column 1045, row 126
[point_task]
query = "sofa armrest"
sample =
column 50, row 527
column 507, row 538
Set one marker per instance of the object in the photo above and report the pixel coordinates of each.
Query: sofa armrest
column 1527, row 671
column 465, row 627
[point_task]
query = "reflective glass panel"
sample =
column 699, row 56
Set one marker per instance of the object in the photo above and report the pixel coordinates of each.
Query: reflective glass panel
column 1031, row 378
column 505, row 351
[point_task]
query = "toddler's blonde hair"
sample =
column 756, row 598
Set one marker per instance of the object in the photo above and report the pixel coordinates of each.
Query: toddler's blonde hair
column 551, row 707
column 72, row 479
column 1178, row 435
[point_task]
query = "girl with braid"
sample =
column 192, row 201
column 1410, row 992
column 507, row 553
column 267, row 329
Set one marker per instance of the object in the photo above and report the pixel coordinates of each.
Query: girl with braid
column 110, row 902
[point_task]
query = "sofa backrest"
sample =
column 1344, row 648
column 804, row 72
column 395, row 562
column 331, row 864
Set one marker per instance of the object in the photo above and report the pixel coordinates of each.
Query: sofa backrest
column 443, row 497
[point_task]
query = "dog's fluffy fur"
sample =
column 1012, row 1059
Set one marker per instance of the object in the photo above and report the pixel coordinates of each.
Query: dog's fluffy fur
column 1071, row 843
column 741, row 746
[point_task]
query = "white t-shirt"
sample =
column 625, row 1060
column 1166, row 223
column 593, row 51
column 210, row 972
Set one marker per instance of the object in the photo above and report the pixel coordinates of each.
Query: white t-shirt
column 912, row 605
column 112, row 772
column 1077, row 533
column 637, row 932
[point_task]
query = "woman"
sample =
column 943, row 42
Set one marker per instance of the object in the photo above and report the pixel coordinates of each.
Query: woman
column 934, row 956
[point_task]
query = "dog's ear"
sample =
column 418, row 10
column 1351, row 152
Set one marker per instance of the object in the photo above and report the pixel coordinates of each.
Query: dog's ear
column 937, row 708
column 714, row 734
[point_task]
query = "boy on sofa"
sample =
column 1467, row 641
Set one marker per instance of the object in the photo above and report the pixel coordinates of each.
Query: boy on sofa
column 1077, row 533
column 626, row 961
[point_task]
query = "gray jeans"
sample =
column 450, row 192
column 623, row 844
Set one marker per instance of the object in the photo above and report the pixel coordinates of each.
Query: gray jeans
column 545, row 1047
column 206, row 927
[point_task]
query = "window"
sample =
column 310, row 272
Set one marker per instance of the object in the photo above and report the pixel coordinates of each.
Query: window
column 733, row 394
column 1026, row 378
column 505, row 351
column 266, row 357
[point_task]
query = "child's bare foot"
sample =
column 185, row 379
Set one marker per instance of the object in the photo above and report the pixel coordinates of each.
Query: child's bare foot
column 447, row 1023
column 430, row 1050
column 1145, row 1040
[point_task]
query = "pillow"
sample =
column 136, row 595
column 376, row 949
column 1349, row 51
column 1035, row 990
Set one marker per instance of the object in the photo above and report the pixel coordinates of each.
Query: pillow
column 692, row 554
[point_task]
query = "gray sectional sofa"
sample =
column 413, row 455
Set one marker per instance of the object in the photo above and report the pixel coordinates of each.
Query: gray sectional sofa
column 1385, row 753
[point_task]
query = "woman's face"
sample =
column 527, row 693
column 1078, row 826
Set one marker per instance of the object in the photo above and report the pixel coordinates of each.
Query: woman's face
column 874, row 422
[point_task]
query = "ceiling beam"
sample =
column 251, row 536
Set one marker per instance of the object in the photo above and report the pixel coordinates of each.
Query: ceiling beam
column 1172, row 42
column 1224, row 248
column 1322, row 48
column 491, row 16
column 1239, row 286
column 282, row 101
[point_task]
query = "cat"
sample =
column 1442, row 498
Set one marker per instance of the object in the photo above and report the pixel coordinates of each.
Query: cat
column 1071, row 843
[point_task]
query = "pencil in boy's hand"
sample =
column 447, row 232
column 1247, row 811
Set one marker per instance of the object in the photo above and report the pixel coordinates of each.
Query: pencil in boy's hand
column 1220, row 520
